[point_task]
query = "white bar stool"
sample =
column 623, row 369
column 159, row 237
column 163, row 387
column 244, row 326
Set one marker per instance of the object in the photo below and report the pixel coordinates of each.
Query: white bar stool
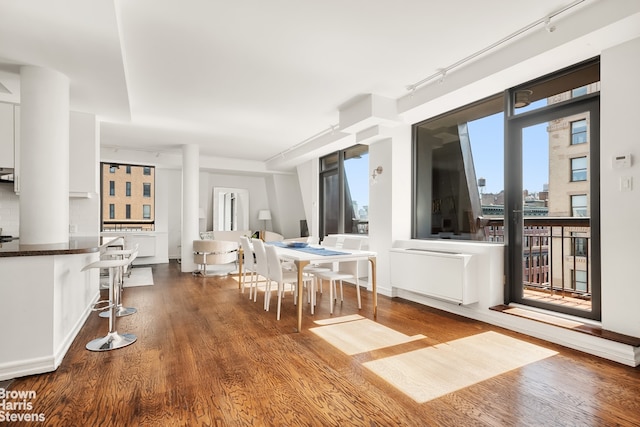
column 127, row 255
column 113, row 339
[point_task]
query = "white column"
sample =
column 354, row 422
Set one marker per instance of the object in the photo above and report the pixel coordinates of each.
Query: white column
column 190, row 193
column 44, row 156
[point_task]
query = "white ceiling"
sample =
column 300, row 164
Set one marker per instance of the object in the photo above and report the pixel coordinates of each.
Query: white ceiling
column 242, row 78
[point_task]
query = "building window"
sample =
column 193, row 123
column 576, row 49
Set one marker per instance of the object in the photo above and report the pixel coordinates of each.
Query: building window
column 579, row 169
column 124, row 211
column 580, row 91
column 580, row 280
column 579, row 246
column 579, row 132
column 112, row 169
column 344, row 191
column 579, row 205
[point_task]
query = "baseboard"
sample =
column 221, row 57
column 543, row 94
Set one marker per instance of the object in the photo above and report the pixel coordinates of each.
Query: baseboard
column 23, row 368
column 607, row 349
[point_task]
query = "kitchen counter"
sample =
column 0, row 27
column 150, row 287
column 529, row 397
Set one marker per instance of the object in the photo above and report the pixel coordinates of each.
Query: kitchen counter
column 75, row 245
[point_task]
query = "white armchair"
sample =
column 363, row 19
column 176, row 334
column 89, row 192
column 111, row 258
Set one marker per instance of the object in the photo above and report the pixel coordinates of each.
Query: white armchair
column 220, row 253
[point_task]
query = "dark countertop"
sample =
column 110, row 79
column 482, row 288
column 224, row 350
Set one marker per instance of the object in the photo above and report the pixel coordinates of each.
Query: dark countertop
column 76, row 245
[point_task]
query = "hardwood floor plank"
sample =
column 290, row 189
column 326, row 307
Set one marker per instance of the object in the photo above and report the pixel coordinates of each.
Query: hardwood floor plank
column 206, row 355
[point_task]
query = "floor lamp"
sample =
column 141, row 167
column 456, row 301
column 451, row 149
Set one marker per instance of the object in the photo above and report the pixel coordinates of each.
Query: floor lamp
column 264, row 215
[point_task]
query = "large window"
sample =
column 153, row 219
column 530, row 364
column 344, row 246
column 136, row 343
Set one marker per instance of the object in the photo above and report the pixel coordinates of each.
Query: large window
column 458, row 170
column 521, row 168
column 344, row 191
column 127, row 197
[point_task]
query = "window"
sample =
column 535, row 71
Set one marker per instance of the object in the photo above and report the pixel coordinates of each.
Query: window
column 579, row 169
column 483, row 167
column 579, row 205
column 123, row 210
column 580, row 280
column 344, row 191
column 578, row 132
column 458, row 171
column 580, row 91
column 579, row 244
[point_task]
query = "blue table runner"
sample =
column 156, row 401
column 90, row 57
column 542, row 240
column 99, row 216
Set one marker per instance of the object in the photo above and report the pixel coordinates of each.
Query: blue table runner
column 310, row 249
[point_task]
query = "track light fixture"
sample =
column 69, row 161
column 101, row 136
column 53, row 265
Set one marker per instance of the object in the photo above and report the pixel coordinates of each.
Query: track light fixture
column 440, row 74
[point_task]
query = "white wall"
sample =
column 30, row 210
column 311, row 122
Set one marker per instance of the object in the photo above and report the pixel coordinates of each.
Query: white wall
column 619, row 210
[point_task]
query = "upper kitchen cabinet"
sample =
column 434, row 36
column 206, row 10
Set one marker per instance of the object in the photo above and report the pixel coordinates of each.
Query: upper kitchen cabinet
column 7, row 160
column 84, row 155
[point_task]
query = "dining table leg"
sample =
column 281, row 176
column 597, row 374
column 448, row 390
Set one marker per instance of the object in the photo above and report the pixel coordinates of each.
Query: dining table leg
column 300, row 267
column 374, row 289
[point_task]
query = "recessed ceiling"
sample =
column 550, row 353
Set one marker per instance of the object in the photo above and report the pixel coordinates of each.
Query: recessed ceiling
column 244, row 78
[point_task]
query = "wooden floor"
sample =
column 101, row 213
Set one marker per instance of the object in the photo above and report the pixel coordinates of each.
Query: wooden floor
column 207, row 356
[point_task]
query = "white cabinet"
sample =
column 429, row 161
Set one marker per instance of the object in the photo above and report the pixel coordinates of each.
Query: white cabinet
column 84, row 155
column 7, row 124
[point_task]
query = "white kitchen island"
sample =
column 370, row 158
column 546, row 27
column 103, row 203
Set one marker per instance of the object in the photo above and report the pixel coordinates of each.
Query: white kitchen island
column 45, row 299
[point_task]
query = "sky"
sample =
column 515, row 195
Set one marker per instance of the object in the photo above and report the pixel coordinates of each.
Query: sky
column 487, row 136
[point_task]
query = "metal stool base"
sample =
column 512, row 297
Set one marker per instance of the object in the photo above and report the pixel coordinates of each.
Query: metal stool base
column 112, row 341
column 120, row 312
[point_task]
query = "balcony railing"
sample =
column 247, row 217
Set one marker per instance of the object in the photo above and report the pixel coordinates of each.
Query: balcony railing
column 555, row 254
column 128, row 225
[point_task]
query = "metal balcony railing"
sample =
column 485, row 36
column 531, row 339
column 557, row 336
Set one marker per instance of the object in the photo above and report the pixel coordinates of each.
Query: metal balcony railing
column 555, row 253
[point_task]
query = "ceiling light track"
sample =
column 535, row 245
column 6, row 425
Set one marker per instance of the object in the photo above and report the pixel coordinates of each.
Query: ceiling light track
column 282, row 154
column 442, row 72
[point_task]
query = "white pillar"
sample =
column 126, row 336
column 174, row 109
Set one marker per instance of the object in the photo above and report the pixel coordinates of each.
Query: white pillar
column 44, row 156
column 190, row 193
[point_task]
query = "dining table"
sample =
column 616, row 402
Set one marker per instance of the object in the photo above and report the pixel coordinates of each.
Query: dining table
column 303, row 255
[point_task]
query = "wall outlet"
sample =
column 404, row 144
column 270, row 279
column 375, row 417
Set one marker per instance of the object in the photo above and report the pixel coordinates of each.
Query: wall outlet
column 73, row 228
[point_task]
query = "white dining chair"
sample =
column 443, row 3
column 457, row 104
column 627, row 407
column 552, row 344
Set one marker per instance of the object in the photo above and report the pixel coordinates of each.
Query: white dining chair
column 262, row 268
column 248, row 266
column 347, row 270
column 312, row 269
column 281, row 277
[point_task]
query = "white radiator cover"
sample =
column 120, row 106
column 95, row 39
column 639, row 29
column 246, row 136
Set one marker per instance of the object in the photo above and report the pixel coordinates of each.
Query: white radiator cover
column 444, row 275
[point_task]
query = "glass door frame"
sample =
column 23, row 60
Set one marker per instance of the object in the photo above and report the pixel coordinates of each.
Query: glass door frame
column 513, row 213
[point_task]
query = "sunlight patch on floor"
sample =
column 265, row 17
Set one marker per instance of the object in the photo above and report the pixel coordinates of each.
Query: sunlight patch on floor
column 432, row 372
column 361, row 336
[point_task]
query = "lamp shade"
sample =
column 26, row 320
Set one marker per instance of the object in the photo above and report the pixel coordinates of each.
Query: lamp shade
column 264, row 215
